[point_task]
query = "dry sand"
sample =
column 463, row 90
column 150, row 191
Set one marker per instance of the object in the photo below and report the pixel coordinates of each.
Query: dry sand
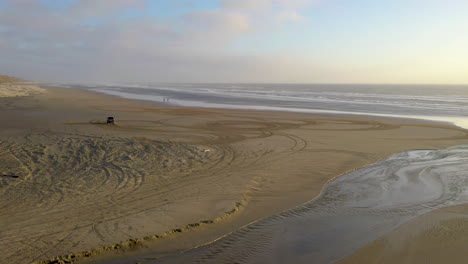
column 85, row 186
column 16, row 89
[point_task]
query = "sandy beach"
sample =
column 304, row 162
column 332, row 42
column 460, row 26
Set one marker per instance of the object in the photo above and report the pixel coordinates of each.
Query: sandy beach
column 164, row 179
column 436, row 237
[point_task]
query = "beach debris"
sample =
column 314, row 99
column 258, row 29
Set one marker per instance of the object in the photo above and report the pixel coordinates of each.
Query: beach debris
column 110, row 120
column 10, row 175
column 207, row 150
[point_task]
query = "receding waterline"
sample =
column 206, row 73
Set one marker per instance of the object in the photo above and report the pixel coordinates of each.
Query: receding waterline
column 461, row 122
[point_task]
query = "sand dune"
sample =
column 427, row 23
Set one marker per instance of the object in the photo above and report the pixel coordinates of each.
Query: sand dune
column 9, row 79
column 13, row 90
column 88, row 187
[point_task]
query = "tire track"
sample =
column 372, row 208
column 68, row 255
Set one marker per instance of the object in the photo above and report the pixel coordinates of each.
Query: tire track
column 119, row 179
column 88, row 170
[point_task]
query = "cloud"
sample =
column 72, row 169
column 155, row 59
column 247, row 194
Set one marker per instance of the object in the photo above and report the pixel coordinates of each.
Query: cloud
column 290, row 16
column 86, row 39
column 90, row 8
column 295, row 4
column 216, row 20
column 267, row 14
column 266, row 4
column 247, row 4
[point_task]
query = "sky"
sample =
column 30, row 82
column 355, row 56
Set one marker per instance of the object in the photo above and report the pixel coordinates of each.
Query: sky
column 266, row 41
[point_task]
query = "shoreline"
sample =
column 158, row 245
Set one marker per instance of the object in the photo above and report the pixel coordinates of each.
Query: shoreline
column 458, row 121
column 284, row 139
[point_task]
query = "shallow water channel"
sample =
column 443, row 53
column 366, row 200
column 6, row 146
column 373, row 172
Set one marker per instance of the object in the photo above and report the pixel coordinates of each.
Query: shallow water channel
column 352, row 211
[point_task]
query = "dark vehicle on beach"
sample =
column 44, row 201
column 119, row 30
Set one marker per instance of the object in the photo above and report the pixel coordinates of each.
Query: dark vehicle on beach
column 110, row 120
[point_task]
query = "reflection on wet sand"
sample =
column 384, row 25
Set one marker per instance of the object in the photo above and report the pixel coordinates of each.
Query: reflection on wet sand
column 351, row 211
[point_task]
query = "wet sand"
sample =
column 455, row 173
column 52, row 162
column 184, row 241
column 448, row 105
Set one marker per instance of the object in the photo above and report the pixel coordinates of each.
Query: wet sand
column 88, row 187
column 352, row 211
column 436, row 237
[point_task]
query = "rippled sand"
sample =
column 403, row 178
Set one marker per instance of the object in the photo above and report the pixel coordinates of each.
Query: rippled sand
column 169, row 179
column 352, row 211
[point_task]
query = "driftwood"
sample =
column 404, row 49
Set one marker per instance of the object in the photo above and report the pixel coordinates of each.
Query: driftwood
column 10, row 175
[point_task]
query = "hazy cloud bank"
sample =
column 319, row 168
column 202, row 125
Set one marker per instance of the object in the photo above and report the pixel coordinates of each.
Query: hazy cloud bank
column 128, row 40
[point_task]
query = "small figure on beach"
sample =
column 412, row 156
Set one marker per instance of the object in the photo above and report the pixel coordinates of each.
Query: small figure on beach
column 110, row 120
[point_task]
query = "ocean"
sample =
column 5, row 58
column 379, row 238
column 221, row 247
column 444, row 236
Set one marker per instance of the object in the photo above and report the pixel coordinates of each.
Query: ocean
column 445, row 103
